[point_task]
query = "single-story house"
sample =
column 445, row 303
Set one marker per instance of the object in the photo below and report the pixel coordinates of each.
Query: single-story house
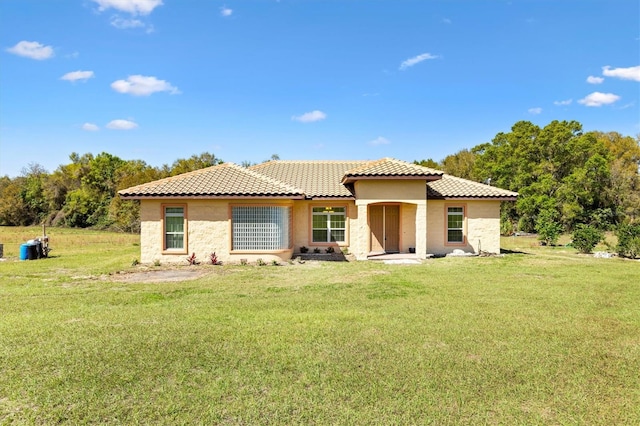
column 270, row 211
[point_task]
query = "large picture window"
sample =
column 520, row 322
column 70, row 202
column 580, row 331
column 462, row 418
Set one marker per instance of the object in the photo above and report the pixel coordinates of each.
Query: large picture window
column 174, row 227
column 329, row 224
column 260, row 228
column 455, row 225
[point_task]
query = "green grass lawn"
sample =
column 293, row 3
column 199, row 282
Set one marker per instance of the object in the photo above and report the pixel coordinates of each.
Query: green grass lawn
column 544, row 336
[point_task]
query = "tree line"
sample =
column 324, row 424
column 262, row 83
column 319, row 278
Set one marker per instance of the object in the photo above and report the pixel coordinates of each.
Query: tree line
column 565, row 177
column 83, row 193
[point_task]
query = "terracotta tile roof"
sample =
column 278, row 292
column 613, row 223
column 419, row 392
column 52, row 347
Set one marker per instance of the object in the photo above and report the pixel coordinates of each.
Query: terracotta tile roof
column 224, row 180
column 455, row 187
column 311, row 179
column 316, row 179
column 390, row 167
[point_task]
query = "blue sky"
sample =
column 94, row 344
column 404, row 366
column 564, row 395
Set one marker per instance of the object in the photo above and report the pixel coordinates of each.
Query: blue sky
column 159, row 80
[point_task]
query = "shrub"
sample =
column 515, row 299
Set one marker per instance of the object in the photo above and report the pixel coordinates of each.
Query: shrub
column 548, row 228
column 192, row 259
column 213, row 258
column 628, row 240
column 585, row 237
column 304, row 249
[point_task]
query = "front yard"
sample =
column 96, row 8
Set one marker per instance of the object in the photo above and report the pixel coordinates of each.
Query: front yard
column 540, row 336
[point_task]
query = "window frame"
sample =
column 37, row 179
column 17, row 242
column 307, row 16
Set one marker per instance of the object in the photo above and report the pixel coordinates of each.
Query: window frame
column 463, row 228
column 257, row 250
column 329, row 229
column 185, row 229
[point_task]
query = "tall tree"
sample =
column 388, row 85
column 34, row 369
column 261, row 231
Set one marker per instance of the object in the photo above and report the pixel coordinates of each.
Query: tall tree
column 429, row 162
column 556, row 167
column 460, row 164
column 195, row 162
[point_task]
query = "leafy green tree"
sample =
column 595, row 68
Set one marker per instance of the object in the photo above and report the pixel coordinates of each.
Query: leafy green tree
column 429, row 162
column 13, row 211
column 32, row 194
column 623, row 191
column 548, row 227
column 628, row 240
column 124, row 215
column 460, row 164
column 586, row 237
column 195, row 162
column 89, row 204
column 559, row 167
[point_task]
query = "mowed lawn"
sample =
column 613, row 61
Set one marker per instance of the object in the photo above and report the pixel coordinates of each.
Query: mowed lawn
column 540, row 336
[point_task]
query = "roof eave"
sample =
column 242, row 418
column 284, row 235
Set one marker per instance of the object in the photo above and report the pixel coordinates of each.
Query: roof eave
column 477, row 198
column 211, row 197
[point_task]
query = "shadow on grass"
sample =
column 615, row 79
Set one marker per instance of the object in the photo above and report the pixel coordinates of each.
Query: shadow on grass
column 507, row 251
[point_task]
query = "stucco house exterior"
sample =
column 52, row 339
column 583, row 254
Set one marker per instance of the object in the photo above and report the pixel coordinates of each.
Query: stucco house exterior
column 271, row 210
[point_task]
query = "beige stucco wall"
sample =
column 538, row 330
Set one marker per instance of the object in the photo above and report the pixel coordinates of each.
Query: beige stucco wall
column 302, row 210
column 376, row 191
column 208, row 230
column 482, row 226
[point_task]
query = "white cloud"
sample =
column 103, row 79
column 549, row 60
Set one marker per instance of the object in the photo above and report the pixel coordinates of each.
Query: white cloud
column 379, row 141
column 134, row 7
column 225, row 11
column 535, row 111
column 416, row 60
column 32, row 49
column 631, row 73
column 90, row 127
column 629, row 105
column 310, row 117
column 123, row 24
column 446, row 21
column 594, row 80
column 562, row 103
column 77, row 75
column 121, row 125
column 140, row 85
column 597, row 99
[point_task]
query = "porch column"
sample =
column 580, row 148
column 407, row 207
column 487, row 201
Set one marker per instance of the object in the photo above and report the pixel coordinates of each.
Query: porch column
column 421, row 229
column 360, row 232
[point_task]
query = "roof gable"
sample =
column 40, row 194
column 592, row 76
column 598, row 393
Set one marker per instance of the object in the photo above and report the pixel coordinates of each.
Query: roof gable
column 390, row 168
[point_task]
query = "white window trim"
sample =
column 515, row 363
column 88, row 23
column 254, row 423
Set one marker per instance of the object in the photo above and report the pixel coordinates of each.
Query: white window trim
column 329, row 228
column 184, row 233
column 464, row 224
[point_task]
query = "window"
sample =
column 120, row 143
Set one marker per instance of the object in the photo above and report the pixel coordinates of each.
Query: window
column 174, row 225
column 455, row 225
column 328, row 224
column 260, row 228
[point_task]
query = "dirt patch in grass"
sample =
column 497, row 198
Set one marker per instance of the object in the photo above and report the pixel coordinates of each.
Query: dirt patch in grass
column 163, row 275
